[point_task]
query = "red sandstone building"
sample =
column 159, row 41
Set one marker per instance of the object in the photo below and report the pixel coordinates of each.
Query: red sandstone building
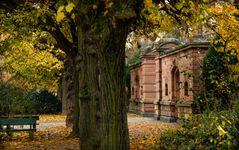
column 167, row 80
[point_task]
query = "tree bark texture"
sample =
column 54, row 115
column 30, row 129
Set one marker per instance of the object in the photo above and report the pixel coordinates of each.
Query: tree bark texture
column 68, row 93
column 102, row 91
column 103, row 120
column 69, row 96
column 76, row 111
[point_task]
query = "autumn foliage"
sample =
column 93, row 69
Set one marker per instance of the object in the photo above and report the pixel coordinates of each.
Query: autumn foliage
column 143, row 135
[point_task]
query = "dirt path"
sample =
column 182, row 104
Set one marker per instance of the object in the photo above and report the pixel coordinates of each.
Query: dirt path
column 137, row 119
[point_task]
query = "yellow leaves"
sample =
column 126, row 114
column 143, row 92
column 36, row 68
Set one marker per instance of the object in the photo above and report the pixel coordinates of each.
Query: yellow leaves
column 61, row 8
column 95, row 7
column 145, row 135
column 105, row 13
column 61, row 11
column 149, row 3
column 179, row 5
column 226, row 9
column 226, row 25
column 191, row 14
column 32, row 67
column 53, row 138
column 70, row 7
column 109, row 5
column 47, row 118
column 73, row 16
column 221, row 131
column 142, row 135
column 60, row 14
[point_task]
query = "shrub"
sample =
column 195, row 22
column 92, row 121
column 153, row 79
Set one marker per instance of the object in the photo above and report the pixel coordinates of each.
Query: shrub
column 46, row 102
column 16, row 101
column 220, row 89
column 206, row 131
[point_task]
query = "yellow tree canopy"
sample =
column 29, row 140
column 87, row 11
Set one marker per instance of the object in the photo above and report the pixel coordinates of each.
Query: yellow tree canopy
column 32, row 68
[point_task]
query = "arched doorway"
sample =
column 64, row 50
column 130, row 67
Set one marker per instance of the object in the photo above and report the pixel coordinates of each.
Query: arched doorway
column 137, row 89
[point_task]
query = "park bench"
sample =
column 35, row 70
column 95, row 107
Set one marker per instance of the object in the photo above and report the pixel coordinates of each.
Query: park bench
column 19, row 123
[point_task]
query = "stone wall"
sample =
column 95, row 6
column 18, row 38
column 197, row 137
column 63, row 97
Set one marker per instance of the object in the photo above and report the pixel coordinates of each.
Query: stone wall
column 169, row 80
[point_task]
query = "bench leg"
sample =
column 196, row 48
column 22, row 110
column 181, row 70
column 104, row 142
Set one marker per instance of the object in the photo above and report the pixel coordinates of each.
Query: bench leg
column 31, row 135
column 9, row 133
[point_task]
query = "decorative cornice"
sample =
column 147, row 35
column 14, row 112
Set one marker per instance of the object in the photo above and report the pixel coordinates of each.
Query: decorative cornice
column 172, row 51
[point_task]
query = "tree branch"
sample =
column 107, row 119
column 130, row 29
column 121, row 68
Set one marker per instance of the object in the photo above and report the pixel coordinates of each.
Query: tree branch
column 214, row 30
column 63, row 43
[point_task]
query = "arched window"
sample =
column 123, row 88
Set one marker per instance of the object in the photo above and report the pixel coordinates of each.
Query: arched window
column 166, row 89
column 141, row 89
column 132, row 92
column 186, row 88
column 175, row 83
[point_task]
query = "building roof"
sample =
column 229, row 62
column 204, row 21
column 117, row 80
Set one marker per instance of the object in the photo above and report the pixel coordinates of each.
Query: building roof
column 184, row 47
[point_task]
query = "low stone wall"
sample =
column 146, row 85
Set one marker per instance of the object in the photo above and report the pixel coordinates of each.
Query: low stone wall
column 142, row 108
column 184, row 108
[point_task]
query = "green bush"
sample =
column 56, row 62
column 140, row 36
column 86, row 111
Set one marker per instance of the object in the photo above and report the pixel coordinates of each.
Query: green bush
column 206, row 131
column 16, row 101
column 220, row 89
column 46, row 102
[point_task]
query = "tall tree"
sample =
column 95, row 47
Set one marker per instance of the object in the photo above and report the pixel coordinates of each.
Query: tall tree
column 102, row 30
column 97, row 53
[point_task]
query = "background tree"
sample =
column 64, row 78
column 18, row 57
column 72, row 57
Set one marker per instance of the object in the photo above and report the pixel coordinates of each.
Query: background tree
column 20, row 19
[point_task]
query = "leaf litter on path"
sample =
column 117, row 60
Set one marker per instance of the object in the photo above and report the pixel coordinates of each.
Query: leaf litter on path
column 143, row 135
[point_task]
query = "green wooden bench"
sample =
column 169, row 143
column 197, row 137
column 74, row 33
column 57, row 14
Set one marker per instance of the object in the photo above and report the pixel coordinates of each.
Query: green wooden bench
column 19, row 123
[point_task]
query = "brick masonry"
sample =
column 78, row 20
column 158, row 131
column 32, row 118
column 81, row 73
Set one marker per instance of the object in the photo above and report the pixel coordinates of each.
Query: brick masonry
column 167, row 80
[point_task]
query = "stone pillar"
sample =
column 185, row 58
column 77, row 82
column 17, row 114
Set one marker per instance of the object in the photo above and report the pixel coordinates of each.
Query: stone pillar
column 148, row 92
column 135, row 78
column 158, row 85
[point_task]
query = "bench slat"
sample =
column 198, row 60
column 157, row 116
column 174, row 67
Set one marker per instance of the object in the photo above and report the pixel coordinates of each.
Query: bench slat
column 18, row 121
column 16, row 130
column 20, row 116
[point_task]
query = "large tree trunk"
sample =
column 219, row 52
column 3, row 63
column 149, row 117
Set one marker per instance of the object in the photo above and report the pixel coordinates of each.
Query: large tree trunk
column 69, row 96
column 103, row 118
column 101, row 51
column 113, row 89
column 68, row 93
column 76, row 111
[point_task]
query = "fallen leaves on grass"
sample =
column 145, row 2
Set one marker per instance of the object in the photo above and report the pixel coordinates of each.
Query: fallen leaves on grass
column 142, row 137
column 52, row 118
column 51, row 138
column 133, row 115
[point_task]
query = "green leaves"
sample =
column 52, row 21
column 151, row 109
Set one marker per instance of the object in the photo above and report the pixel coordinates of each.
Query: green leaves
column 211, row 130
